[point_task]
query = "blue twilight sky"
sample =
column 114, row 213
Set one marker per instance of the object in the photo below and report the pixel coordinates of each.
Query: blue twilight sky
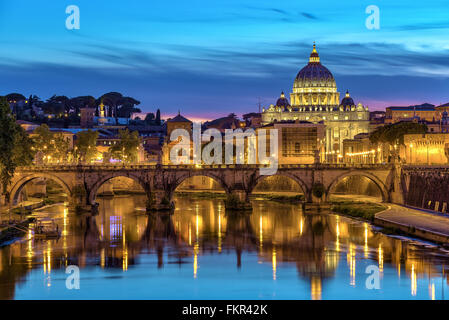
column 210, row 58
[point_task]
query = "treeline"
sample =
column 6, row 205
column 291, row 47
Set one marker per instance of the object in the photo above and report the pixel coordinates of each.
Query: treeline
column 67, row 110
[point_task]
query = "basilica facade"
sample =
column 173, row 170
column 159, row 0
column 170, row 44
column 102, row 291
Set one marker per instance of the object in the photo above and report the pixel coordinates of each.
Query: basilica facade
column 315, row 99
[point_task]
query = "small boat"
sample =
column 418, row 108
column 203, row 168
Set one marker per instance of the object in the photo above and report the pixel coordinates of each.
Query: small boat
column 46, row 229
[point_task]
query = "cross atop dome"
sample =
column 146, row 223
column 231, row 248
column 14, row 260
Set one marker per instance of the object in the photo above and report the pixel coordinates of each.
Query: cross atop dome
column 314, row 57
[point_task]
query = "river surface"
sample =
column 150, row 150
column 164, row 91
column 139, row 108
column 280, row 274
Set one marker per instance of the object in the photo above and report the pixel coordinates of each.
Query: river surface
column 201, row 252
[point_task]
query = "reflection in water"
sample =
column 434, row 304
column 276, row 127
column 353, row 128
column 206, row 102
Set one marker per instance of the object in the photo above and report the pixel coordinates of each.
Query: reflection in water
column 201, row 251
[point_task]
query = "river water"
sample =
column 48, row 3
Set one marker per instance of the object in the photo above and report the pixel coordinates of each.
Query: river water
column 201, row 252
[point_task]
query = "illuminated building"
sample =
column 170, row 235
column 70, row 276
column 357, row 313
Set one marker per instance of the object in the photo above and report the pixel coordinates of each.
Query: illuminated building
column 361, row 150
column 424, row 112
column 431, row 148
column 299, row 141
column 315, row 99
column 178, row 122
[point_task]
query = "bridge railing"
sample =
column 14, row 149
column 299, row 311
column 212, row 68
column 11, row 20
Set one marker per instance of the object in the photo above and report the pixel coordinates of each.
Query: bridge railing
column 77, row 167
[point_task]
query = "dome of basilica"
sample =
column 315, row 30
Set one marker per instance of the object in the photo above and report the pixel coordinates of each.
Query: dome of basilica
column 282, row 101
column 347, row 101
column 314, row 74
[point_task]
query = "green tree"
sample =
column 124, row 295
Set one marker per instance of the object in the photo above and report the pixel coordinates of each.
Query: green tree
column 86, row 146
column 127, row 147
column 53, row 145
column 62, row 148
column 56, row 105
column 15, row 147
column 128, row 107
column 14, row 97
column 43, row 141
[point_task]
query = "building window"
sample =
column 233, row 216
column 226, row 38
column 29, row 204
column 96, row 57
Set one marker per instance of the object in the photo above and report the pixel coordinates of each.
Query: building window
column 299, row 141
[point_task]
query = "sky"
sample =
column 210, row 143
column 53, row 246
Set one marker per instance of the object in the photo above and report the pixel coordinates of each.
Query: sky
column 210, row 58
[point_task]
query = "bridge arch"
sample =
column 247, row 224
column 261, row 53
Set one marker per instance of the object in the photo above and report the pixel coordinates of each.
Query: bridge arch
column 92, row 193
column 207, row 174
column 380, row 185
column 19, row 185
column 302, row 185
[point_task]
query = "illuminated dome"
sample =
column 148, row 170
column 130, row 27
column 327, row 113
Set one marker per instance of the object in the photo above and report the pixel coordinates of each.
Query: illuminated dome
column 314, row 74
column 282, row 101
column 314, row 85
column 347, row 100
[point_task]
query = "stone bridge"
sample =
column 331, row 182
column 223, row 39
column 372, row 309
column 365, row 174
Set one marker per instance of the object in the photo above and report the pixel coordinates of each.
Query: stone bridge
column 82, row 182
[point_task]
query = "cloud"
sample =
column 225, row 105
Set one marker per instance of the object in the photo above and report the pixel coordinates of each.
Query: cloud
column 309, row 16
column 211, row 81
column 424, row 26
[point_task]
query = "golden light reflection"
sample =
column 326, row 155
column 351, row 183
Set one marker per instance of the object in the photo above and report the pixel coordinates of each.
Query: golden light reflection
column 260, row 233
column 30, row 251
column 190, row 234
column 381, row 258
column 125, row 251
column 64, row 230
column 413, row 280
column 350, row 257
column 315, row 288
column 195, row 260
column 197, row 226
column 48, row 257
column 65, row 221
column 102, row 258
column 219, row 232
column 337, row 231
column 365, row 247
column 301, row 225
column 274, row 262
column 432, row 291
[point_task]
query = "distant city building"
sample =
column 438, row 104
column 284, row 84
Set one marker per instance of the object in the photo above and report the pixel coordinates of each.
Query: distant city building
column 87, row 117
column 299, row 142
column 27, row 126
column 426, row 112
column 360, row 150
column 221, row 124
column 430, row 148
column 442, row 108
column 315, row 99
column 178, row 122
